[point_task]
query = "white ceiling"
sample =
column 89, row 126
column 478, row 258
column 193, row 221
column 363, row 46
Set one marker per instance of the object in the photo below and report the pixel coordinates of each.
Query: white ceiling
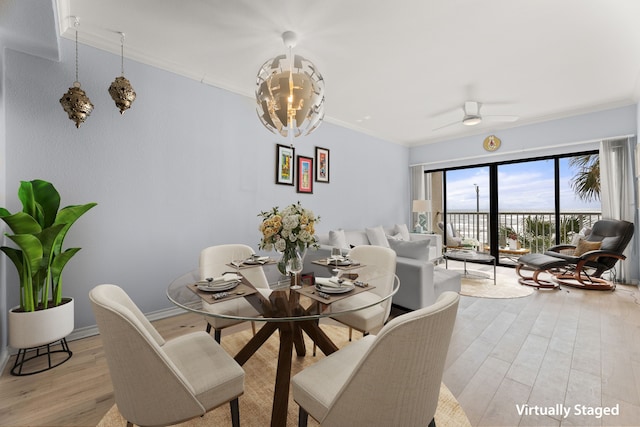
column 393, row 69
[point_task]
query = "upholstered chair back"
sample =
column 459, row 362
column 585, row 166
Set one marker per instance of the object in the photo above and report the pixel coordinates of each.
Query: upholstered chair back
column 614, row 236
column 214, row 262
column 380, row 265
column 397, row 382
column 148, row 388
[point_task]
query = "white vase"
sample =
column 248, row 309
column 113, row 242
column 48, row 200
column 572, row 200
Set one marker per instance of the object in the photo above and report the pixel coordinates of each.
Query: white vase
column 41, row 327
column 513, row 244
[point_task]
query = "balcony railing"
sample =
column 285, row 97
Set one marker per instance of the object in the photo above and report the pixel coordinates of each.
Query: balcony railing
column 535, row 231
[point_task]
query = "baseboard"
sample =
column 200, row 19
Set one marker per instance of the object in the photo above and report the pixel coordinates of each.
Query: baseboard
column 4, row 358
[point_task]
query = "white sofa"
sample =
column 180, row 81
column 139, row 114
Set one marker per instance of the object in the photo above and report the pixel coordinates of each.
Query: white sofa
column 421, row 282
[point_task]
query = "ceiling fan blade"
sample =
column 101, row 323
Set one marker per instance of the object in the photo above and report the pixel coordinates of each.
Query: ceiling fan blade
column 447, row 125
column 501, row 118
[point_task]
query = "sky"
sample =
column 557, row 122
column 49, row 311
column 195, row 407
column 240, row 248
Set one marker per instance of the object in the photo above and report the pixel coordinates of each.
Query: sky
column 523, row 187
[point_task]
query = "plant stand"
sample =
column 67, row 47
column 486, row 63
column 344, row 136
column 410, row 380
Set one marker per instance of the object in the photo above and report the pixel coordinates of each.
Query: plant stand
column 41, row 351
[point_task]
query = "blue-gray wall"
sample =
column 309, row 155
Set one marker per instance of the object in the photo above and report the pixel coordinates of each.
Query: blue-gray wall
column 188, row 166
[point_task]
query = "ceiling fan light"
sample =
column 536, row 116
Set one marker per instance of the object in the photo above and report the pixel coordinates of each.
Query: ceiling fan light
column 471, row 120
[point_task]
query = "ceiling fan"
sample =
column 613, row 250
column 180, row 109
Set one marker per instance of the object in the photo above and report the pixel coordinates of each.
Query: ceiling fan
column 473, row 117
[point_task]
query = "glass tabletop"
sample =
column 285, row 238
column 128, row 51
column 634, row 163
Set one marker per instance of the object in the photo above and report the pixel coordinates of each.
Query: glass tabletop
column 278, row 302
column 468, row 255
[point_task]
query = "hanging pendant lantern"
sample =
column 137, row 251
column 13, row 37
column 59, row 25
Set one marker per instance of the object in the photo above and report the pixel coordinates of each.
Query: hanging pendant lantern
column 76, row 102
column 121, row 90
column 290, row 93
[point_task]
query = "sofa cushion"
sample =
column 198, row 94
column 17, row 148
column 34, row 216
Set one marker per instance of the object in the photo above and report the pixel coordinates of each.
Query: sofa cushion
column 403, row 230
column 417, row 249
column 356, row 237
column 395, row 236
column 337, row 239
column 377, row 236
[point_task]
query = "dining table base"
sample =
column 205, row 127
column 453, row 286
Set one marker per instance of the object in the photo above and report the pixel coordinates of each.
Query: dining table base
column 291, row 335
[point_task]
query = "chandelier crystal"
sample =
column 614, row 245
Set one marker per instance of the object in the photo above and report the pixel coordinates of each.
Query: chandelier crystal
column 75, row 101
column 121, row 90
column 290, row 93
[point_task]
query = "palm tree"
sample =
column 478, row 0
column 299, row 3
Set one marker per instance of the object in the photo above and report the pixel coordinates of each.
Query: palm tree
column 586, row 182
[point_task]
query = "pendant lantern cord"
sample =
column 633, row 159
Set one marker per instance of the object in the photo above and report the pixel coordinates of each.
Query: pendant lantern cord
column 76, row 25
column 122, row 54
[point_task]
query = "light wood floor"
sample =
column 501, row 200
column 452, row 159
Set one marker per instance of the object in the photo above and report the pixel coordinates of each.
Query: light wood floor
column 568, row 347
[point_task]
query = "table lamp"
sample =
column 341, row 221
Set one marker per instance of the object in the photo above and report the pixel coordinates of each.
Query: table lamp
column 420, row 207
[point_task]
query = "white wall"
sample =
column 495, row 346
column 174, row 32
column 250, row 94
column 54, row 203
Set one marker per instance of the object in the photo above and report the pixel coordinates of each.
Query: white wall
column 186, row 167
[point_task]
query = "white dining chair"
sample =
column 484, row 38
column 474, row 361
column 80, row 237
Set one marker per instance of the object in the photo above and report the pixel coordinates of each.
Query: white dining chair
column 214, row 262
column 156, row 381
column 389, row 379
column 379, row 266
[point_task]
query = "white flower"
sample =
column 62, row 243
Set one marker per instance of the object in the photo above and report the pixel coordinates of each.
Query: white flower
column 280, row 245
column 290, row 222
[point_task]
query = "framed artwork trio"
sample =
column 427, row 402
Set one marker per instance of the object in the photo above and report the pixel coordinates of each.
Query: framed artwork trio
column 301, row 171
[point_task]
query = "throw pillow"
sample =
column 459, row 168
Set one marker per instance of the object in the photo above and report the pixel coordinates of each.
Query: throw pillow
column 403, row 230
column 586, row 246
column 377, row 237
column 397, row 236
column 337, row 239
column 417, row 249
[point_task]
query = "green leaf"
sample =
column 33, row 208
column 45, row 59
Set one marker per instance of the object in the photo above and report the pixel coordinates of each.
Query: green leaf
column 57, row 266
column 31, row 249
column 68, row 216
column 22, row 223
column 25, row 194
column 47, row 200
column 14, row 255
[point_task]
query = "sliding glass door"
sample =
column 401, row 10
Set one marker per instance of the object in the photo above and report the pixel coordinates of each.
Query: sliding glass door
column 512, row 208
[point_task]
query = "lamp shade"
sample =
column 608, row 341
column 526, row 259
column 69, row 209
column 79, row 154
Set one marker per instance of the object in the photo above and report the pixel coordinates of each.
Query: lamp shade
column 421, row 206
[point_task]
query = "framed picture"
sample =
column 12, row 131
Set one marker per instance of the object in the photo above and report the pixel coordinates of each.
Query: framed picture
column 305, row 174
column 322, row 164
column 284, row 164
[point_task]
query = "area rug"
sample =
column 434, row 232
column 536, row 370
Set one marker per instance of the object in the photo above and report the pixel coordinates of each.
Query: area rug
column 506, row 286
column 255, row 403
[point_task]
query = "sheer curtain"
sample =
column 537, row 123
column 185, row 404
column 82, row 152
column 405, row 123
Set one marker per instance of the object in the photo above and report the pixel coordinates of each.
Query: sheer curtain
column 417, row 190
column 618, row 196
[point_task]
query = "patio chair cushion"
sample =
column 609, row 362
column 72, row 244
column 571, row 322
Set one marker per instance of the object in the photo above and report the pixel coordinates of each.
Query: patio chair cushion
column 584, row 246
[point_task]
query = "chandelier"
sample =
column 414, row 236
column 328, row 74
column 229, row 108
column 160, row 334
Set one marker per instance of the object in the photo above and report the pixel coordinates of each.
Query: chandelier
column 290, row 93
column 121, row 90
column 75, row 101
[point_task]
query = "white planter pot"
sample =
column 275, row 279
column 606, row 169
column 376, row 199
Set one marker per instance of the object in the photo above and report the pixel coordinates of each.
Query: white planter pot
column 36, row 328
column 513, row 244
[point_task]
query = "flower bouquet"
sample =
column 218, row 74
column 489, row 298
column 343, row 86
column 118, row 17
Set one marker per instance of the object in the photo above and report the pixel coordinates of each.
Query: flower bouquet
column 289, row 231
column 469, row 243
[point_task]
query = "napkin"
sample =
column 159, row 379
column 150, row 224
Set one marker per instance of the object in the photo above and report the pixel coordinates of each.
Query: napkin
column 227, row 277
column 331, row 283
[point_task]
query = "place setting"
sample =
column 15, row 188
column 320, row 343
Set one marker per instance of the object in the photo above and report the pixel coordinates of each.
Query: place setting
column 253, row 261
column 330, row 289
column 227, row 286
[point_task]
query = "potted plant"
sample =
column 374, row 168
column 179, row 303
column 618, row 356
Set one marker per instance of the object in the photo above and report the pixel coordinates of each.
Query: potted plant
column 39, row 232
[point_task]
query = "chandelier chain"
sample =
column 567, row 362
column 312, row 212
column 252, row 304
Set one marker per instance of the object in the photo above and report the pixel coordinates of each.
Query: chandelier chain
column 122, row 54
column 77, row 51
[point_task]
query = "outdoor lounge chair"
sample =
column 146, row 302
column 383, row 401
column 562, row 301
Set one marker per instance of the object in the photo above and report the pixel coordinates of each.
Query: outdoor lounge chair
column 593, row 255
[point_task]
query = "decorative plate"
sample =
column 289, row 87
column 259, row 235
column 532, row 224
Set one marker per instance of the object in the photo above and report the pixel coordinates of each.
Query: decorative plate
column 491, row 143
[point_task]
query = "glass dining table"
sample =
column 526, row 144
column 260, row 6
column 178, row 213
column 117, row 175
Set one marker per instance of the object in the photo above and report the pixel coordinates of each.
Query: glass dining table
column 292, row 312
